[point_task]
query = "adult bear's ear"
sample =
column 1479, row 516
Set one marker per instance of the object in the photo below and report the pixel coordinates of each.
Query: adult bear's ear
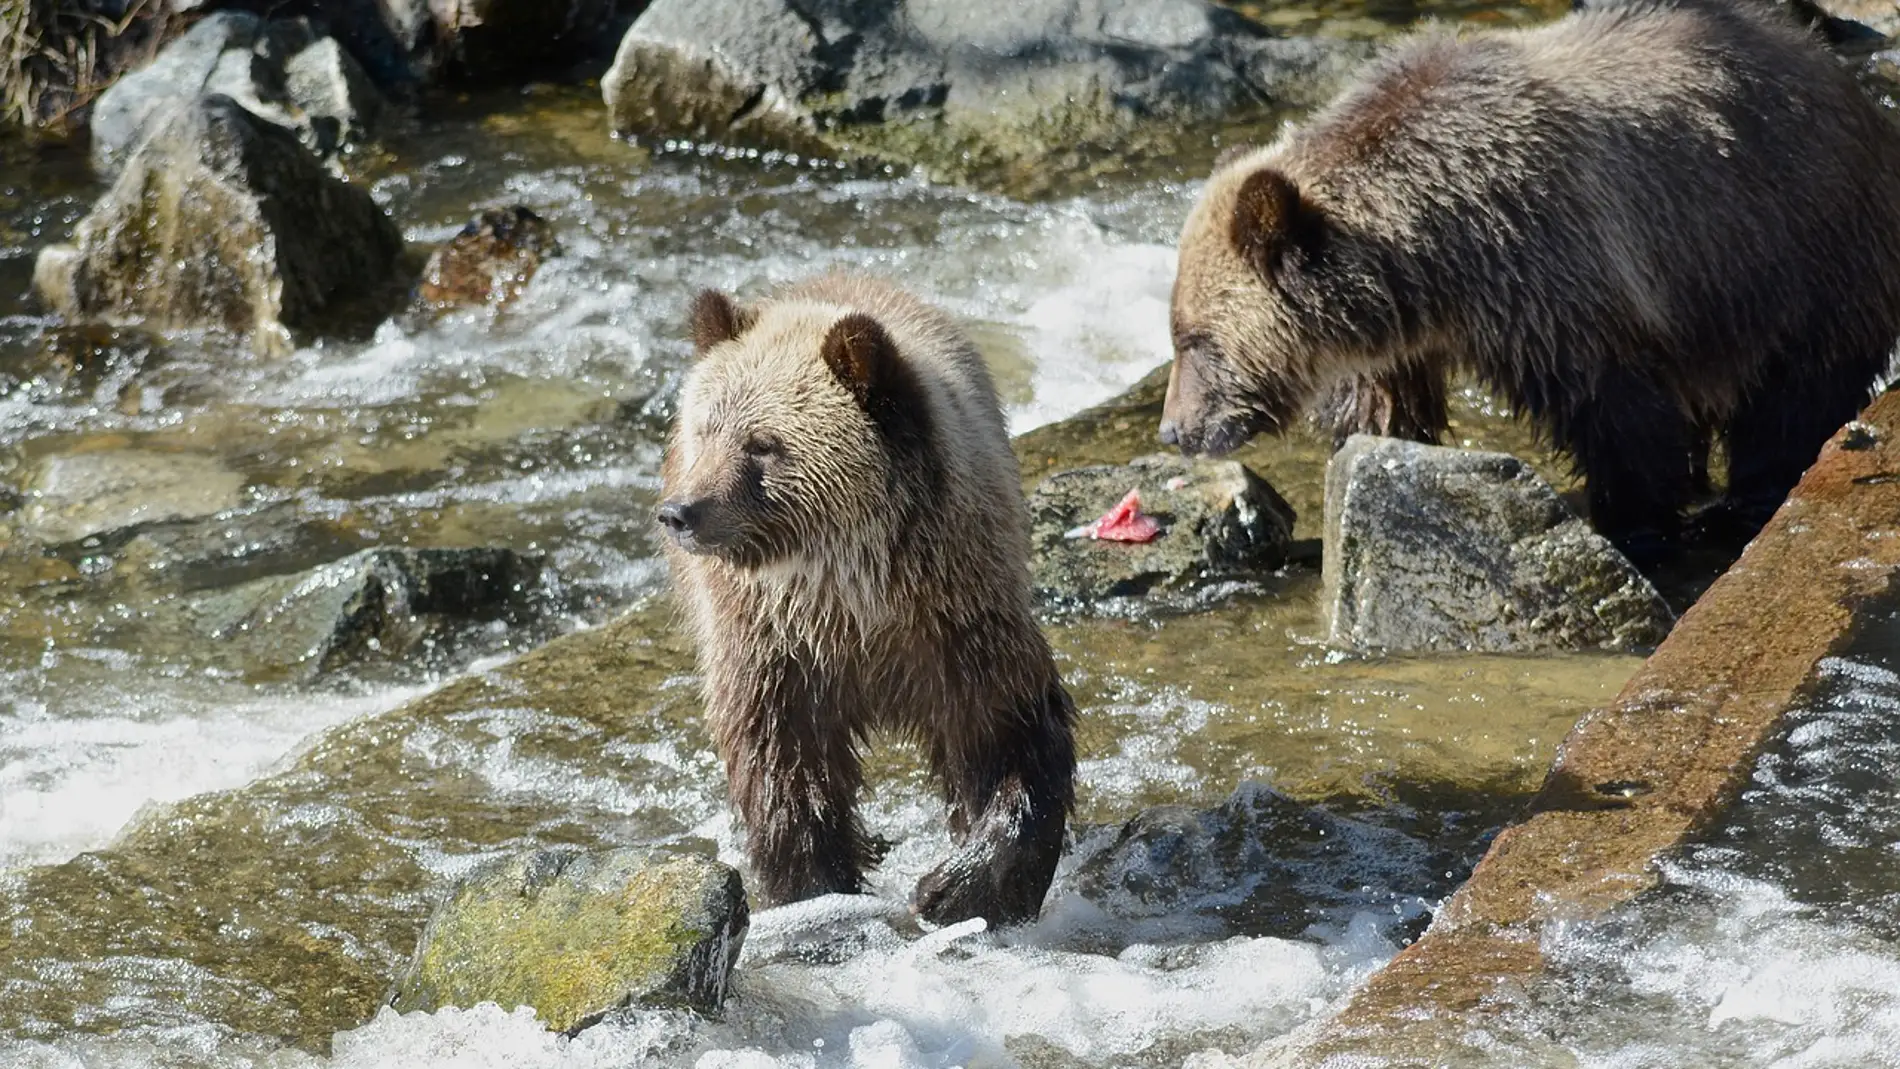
column 715, row 318
column 860, row 354
column 1272, row 221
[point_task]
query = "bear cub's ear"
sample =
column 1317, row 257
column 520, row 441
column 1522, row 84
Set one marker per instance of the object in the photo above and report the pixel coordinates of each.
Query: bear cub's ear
column 715, row 319
column 1272, row 219
column 859, row 352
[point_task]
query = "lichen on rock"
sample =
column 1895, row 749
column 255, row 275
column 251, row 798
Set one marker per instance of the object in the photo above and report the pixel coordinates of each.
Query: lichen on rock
column 575, row 935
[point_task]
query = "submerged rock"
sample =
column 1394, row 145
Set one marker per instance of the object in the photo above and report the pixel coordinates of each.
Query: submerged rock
column 488, row 263
column 576, row 935
column 1217, row 519
column 1259, row 863
column 82, row 495
column 222, row 220
column 383, row 603
column 1429, row 548
column 956, row 88
column 287, row 72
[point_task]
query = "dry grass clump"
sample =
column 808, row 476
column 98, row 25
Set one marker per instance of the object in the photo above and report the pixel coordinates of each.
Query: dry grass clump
column 61, row 54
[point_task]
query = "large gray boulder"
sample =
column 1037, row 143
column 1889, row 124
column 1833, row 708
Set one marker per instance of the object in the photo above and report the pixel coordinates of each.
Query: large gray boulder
column 1428, row 548
column 285, row 71
column 577, row 935
column 963, row 90
column 223, row 220
column 1218, row 520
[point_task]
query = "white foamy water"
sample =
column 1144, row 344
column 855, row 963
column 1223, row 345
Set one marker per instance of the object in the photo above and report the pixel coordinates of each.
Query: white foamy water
column 1777, row 943
column 75, row 765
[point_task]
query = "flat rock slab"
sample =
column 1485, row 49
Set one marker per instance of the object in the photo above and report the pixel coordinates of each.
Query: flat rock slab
column 1651, row 771
column 959, row 89
column 575, row 935
column 94, row 493
column 224, row 220
column 1429, row 548
column 1218, row 520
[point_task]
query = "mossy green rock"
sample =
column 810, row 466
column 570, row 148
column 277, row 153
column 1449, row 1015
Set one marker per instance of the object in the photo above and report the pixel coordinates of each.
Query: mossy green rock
column 575, row 935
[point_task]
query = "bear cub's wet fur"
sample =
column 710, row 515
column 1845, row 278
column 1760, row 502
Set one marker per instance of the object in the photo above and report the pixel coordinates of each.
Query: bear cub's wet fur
column 1651, row 222
column 848, row 535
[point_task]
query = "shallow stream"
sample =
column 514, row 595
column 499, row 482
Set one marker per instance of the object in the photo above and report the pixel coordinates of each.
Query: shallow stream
column 201, row 863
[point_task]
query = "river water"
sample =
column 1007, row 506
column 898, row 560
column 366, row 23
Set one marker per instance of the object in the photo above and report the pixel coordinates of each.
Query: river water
column 148, row 922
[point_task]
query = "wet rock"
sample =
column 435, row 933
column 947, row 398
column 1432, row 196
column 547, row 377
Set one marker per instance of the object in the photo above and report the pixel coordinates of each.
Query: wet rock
column 1218, row 519
column 1429, row 548
column 959, row 89
column 335, row 100
column 488, row 263
column 1259, row 863
column 88, row 494
column 575, row 935
column 384, row 604
column 287, row 72
column 82, row 360
column 222, row 220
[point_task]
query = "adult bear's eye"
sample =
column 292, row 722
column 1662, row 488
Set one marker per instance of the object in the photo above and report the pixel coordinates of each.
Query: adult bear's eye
column 763, row 446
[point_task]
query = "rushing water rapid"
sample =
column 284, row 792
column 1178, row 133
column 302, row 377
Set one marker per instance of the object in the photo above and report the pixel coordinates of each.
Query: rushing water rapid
column 153, row 924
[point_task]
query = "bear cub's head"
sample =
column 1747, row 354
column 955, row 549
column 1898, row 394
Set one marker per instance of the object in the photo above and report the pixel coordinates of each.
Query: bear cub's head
column 1274, row 299
column 784, row 444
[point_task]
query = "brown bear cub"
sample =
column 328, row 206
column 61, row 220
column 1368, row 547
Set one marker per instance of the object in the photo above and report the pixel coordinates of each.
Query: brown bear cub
column 1642, row 224
column 848, row 534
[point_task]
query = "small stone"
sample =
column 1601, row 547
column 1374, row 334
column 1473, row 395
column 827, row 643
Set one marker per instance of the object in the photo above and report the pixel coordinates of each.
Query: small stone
column 574, row 935
column 1217, row 520
column 1857, row 436
column 1429, row 548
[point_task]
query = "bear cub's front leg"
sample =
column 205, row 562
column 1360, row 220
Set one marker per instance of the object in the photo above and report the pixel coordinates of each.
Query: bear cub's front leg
column 1009, row 805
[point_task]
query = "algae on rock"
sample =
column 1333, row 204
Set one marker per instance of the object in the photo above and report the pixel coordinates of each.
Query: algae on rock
column 576, row 935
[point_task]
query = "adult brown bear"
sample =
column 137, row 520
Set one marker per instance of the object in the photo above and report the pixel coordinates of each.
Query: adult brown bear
column 1644, row 222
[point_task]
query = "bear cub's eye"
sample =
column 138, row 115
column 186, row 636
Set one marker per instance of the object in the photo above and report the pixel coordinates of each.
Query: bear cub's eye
column 764, row 445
